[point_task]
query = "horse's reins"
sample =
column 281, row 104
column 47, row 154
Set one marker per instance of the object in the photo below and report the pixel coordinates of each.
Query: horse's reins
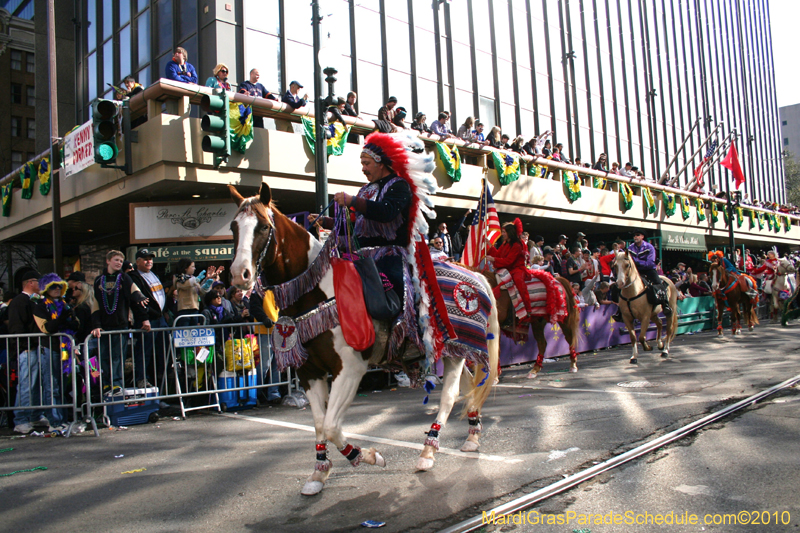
column 629, row 300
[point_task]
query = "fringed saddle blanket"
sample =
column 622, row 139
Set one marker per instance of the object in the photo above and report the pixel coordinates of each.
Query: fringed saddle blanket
column 546, row 294
column 468, row 306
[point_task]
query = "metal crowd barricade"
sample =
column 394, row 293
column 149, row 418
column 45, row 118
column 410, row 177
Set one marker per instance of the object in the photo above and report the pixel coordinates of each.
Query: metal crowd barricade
column 225, row 363
column 39, row 380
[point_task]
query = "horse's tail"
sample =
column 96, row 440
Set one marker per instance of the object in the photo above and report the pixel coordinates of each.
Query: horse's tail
column 483, row 381
column 672, row 323
column 572, row 321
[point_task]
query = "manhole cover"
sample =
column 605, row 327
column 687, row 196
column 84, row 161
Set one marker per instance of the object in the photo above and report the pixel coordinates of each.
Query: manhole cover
column 640, row 384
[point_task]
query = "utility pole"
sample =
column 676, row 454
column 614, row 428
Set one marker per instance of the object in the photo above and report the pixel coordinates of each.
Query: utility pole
column 320, row 144
column 55, row 163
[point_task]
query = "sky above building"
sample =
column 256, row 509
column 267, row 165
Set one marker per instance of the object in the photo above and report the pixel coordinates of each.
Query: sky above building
column 784, row 15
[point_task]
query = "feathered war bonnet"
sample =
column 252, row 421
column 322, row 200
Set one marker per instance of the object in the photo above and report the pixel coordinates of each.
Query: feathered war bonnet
column 713, row 255
column 48, row 281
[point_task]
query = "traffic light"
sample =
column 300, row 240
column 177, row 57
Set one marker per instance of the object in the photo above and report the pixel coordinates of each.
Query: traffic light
column 217, row 123
column 105, row 124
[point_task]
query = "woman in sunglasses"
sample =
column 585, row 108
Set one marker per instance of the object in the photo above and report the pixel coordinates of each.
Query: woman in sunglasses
column 220, row 78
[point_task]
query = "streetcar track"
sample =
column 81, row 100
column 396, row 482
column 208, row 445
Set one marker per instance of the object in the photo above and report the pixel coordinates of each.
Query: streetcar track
column 524, row 502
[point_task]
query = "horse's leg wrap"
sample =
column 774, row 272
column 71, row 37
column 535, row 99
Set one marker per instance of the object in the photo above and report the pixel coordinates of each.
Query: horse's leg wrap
column 323, row 463
column 433, row 435
column 573, row 354
column 540, row 359
column 352, row 453
column 475, row 426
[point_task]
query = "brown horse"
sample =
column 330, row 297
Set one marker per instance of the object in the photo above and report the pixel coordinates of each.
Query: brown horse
column 570, row 325
column 265, row 238
column 728, row 292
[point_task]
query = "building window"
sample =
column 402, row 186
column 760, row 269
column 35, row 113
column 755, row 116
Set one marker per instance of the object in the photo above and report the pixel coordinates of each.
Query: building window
column 16, row 93
column 16, row 126
column 16, row 160
column 785, row 123
column 31, row 62
column 16, row 60
column 786, row 141
column 31, row 101
column 31, row 128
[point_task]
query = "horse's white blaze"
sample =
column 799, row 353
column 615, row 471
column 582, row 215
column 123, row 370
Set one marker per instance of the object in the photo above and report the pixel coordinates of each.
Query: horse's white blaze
column 714, row 282
column 246, row 223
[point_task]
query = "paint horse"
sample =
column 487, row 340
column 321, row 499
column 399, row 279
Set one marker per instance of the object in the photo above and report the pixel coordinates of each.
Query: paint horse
column 728, row 293
column 265, row 239
column 569, row 325
column 634, row 305
column 785, row 280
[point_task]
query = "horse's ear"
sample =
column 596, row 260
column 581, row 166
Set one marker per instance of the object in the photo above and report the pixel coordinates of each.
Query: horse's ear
column 238, row 198
column 265, row 194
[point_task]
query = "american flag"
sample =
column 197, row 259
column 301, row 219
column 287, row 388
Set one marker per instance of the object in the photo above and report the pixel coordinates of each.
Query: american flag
column 485, row 223
column 698, row 172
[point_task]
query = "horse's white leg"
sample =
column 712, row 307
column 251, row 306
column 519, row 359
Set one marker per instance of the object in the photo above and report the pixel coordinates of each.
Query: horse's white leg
column 634, row 341
column 450, row 387
column 317, row 393
column 343, row 390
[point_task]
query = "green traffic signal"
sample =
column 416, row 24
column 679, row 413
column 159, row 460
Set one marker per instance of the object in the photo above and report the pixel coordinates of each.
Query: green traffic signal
column 217, row 124
column 105, row 127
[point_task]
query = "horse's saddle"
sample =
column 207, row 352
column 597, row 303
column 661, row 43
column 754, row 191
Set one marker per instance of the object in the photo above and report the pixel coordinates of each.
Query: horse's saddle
column 656, row 293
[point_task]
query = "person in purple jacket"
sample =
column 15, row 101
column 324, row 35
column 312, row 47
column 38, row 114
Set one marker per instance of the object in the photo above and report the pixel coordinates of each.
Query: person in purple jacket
column 644, row 255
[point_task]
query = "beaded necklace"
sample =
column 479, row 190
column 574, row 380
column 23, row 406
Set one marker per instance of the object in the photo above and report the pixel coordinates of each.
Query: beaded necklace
column 106, row 292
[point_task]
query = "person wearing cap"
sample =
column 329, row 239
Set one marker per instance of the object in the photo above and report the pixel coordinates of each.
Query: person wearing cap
column 561, row 245
column 292, row 96
column 419, row 123
column 384, row 122
column 153, row 289
column 399, row 118
column 549, row 261
column 644, row 255
column 222, row 290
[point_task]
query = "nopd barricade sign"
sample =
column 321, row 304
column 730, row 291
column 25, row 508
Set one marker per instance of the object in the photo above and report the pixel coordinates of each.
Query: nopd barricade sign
column 189, row 338
column 78, row 149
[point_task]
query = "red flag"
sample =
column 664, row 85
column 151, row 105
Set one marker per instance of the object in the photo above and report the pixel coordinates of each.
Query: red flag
column 731, row 162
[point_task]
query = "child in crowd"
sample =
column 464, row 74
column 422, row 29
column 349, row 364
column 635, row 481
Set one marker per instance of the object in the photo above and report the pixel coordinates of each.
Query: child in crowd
column 537, row 263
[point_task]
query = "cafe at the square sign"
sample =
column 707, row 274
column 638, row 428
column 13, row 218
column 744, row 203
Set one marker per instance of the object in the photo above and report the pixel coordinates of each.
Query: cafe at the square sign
column 181, row 221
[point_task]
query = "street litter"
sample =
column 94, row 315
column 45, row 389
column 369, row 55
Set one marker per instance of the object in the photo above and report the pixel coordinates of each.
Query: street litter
column 118, row 456
column 373, row 523
column 20, row 471
column 134, row 471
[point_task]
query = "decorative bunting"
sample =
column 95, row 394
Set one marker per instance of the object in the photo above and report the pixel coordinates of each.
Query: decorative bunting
column 25, row 179
column 337, row 138
column 787, row 224
column 507, row 167
column 451, row 160
column 44, row 176
column 537, row 171
column 572, row 184
column 739, row 217
column 598, row 182
column 714, row 212
column 7, row 190
column 776, row 224
column 649, row 201
column 686, row 211
column 669, row 203
column 701, row 209
column 751, row 218
column 626, row 194
column 760, row 219
column 241, row 117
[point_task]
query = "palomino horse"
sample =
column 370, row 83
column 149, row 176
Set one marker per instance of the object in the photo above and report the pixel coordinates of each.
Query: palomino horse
column 569, row 325
column 285, row 250
column 727, row 291
column 784, row 281
column 635, row 306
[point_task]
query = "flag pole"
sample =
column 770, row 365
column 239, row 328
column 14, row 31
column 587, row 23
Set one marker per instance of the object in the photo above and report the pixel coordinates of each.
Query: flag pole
column 730, row 207
column 481, row 210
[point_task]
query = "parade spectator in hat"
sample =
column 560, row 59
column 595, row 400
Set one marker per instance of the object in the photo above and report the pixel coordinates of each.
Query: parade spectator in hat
column 292, row 97
column 644, row 255
column 385, row 120
column 152, row 288
column 511, row 256
column 399, row 118
column 419, row 123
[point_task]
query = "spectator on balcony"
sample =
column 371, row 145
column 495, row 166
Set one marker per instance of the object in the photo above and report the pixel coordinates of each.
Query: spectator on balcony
column 419, row 123
column 292, row 96
column 179, row 69
column 615, row 169
column 465, row 132
column 494, row 139
column 399, row 118
column 129, row 88
column 384, row 122
column 478, row 133
column 563, row 157
column 220, row 78
column 601, row 164
column 627, row 171
column 530, row 147
column 256, row 90
column 547, row 150
column 504, row 142
column 577, row 162
column 556, row 156
column 350, row 105
column 439, row 126
column 516, row 145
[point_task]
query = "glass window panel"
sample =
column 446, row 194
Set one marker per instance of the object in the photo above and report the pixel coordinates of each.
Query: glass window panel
column 445, row 77
column 480, row 21
column 31, row 62
column 31, row 128
column 398, row 58
column 299, row 29
column 525, row 88
column 486, row 77
column 16, row 160
column 426, row 56
column 16, row 126
column 91, row 24
column 108, row 20
column 143, row 4
column 374, row 5
column 263, row 15
column 108, row 63
column 345, row 79
column 459, row 21
column 124, row 12
column 161, row 63
column 539, row 45
column 91, row 63
column 400, row 87
column 263, row 53
column 16, row 59
column 528, row 125
column 190, row 45
column 506, row 78
column 464, row 107
column 423, row 18
column 586, row 152
column 427, row 99
column 583, row 110
column 508, row 117
column 370, row 88
column 125, row 51
column 368, row 42
column 164, row 26
column 143, row 27
column 462, row 66
column 187, row 21
column 521, row 37
column 487, row 112
column 397, row 9
column 300, row 66
column 31, row 95
column 335, row 30
column 143, row 77
column 501, row 31
column 543, row 95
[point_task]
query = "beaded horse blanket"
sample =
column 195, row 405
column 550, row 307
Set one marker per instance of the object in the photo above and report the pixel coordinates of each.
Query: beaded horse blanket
column 546, row 294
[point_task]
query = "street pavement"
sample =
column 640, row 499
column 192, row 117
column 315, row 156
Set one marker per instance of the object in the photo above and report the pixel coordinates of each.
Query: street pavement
column 244, row 472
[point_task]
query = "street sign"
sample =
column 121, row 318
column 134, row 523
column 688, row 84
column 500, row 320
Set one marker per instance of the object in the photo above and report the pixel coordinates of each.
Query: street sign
column 188, row 338
column 78, row 149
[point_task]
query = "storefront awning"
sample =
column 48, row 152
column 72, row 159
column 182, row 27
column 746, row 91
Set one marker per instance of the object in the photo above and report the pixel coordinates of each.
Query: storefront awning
column 683, row 240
